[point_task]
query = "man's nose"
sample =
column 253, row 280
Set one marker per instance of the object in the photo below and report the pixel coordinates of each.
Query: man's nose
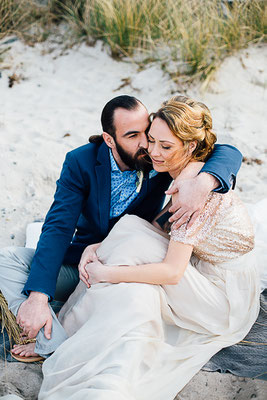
column 143, row 141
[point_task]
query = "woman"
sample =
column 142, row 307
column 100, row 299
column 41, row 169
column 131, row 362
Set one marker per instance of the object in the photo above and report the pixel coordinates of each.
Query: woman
column 178, row 299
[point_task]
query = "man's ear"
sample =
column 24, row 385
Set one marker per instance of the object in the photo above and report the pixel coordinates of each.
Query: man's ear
column 108, row 139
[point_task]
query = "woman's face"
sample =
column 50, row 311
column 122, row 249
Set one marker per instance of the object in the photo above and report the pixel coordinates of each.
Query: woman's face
column 163, row 145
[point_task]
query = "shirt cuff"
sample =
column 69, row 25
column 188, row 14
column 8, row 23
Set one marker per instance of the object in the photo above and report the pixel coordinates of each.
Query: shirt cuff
column 27, row 293
column 222, row 188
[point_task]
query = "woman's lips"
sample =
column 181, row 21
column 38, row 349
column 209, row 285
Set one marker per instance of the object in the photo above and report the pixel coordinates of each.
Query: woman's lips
column 157, row 161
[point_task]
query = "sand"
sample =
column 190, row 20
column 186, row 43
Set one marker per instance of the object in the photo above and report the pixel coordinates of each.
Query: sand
column 54, row 105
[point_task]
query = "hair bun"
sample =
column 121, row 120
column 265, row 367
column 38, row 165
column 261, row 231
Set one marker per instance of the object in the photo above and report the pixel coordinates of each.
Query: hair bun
column 207, row 121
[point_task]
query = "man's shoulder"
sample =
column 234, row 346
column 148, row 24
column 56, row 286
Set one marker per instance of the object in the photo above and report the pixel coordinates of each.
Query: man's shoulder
column 84, row 150
column 88, row 153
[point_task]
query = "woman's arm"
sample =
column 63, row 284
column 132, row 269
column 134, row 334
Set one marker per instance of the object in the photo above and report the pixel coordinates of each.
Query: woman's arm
column 168, row 272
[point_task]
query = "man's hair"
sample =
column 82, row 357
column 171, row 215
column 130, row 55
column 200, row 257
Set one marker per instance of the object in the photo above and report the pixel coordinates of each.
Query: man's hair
column 107, row 116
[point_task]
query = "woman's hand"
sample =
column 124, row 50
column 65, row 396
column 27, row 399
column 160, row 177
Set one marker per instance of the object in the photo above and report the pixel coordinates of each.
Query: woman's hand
column 88, row 255
column 189, row 194
column 96, row 271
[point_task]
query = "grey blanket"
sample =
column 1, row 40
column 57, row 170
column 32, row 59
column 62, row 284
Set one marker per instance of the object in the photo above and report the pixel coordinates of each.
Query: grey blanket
column 247, row 358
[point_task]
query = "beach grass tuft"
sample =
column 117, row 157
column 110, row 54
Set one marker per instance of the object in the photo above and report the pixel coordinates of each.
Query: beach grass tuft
column 14, row 16
column 8, row 322
column 191, row 36
column 26, row 19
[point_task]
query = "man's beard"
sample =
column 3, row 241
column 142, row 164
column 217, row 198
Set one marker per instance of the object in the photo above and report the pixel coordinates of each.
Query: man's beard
column 140, row 161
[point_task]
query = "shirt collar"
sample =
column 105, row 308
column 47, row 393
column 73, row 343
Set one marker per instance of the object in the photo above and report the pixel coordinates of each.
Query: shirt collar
column 113, row 164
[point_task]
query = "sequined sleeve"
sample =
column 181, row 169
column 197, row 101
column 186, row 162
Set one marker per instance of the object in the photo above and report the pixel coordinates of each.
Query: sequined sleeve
column 203, row 225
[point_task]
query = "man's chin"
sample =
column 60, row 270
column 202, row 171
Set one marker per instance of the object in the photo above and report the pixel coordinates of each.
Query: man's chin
column 140, row 161
column 143, row 165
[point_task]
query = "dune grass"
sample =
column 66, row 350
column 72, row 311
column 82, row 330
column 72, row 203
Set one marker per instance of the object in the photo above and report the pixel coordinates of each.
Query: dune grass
column 194, row 36
column 14, row 16
column 8, row 322
column 26, row 19
column 200, row 33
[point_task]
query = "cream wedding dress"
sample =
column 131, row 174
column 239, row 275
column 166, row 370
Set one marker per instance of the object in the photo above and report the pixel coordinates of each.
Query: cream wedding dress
column 138, row 341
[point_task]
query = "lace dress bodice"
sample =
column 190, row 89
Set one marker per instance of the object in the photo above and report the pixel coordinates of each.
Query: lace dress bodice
column 223, row 231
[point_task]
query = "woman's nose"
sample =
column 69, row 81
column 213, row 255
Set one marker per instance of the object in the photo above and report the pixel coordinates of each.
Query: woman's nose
column 153, row 150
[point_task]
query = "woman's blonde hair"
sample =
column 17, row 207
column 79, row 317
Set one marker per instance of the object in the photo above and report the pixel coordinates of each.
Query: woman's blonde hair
column 190, row 121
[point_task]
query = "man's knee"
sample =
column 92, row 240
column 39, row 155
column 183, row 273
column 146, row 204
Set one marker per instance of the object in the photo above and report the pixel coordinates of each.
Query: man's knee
column 13, row 257
column 11, row 251
column 7, row 251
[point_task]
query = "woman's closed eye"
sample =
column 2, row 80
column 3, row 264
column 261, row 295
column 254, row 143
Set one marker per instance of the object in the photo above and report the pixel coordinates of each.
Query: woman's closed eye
column 162, row 146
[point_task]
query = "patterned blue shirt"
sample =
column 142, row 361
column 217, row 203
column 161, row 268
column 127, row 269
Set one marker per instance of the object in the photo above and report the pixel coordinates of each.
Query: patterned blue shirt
column 123, row 188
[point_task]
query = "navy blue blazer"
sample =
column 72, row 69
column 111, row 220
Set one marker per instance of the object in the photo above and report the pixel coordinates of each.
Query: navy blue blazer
column 79, row 215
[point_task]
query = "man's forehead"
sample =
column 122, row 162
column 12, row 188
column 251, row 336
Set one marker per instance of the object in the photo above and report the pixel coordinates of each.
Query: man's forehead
column 136, row 120
column 123, row 112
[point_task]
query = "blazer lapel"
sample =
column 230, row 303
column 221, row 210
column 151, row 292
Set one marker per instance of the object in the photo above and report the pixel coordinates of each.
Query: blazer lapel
column 103, row 175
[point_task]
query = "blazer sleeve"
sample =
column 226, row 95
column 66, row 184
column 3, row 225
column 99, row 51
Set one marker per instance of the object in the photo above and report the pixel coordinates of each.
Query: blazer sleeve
column 224, row 164
column 58, row 229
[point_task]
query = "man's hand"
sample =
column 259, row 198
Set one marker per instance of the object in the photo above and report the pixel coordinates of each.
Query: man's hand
column 88, row 255
column 189, row 197
column 33, row 314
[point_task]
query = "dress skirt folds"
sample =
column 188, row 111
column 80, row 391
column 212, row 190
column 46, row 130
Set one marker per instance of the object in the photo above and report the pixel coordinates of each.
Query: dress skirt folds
column 138, row 341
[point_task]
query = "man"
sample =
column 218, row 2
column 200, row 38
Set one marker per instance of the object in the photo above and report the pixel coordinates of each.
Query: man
column 99, row 182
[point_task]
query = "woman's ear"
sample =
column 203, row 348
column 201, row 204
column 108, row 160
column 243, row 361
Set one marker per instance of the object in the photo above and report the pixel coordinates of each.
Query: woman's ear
column 108, row 139
column 192, row 146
